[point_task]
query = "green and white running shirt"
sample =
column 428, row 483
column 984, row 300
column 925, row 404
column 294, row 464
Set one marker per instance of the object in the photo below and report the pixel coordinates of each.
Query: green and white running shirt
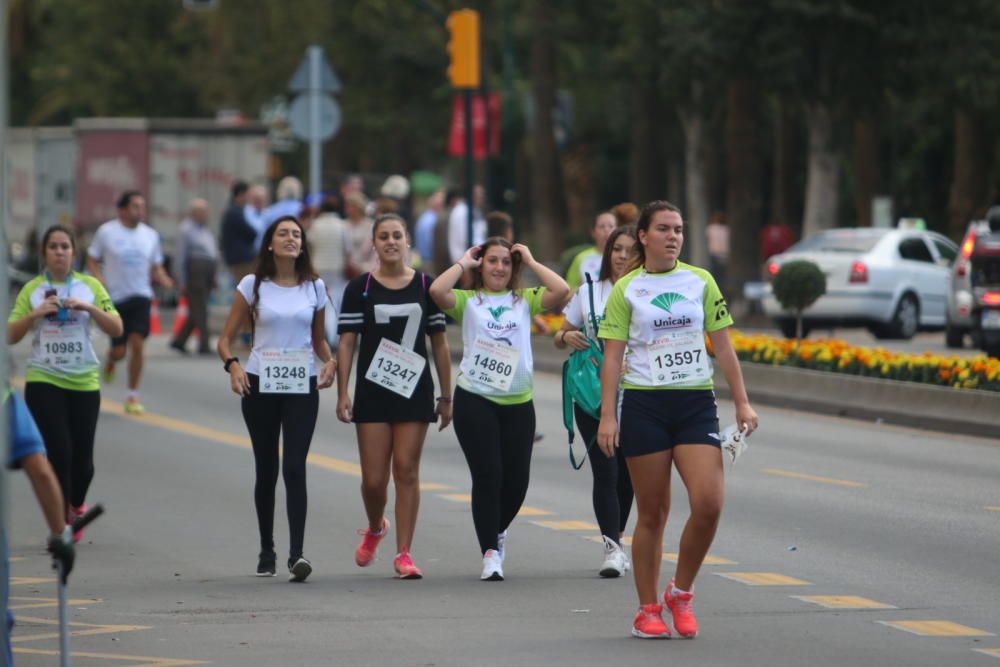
column 663, row 317
column 61, row 351
column 496, row 342
column 586, row 261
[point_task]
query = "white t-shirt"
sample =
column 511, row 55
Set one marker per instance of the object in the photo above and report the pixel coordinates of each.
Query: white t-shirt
column 283, row 317
column 458, row 230
column 577, row 311
column 127, row 255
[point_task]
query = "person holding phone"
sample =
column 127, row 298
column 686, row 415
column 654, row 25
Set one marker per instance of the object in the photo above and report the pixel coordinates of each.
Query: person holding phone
column 283, row 301
column 657, row 315
column 62, row 388
column 390, row 312
column 494, row 412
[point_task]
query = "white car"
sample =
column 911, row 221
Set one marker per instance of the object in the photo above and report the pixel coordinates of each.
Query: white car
column 892, row 281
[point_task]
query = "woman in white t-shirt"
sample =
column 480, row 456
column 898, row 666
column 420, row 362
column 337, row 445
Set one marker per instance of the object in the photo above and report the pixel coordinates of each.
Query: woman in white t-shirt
column 612, row 492
column 284, row 302
column 494, row 415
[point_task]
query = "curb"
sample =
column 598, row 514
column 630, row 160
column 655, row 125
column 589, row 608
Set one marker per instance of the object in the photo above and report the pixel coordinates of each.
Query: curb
column 966, row 411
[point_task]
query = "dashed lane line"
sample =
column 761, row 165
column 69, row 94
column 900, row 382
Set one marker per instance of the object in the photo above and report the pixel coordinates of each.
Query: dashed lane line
column 571, row 524
column 993, row 508
column 842, row 602
column 86, row 629
column 19, row 602
column 814, row 478
column 670, row 555
column 937, row 629
column 763, row 579
column 137, row 660
column 995, row 652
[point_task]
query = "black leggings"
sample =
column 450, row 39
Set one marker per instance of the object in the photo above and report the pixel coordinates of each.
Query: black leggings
column 612, row 485
column 67, row 420
column 497, row 441
column 293, row 416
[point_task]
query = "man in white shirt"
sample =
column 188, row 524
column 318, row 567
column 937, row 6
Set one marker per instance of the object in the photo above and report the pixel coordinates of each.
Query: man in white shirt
column 125, row 255
column 458, row 224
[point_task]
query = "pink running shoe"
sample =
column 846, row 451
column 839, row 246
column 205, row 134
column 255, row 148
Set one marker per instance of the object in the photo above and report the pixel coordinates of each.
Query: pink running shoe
column 74, row 514
column 365, row 553
column 648, row 623
column 680, row 606
column 405, row 567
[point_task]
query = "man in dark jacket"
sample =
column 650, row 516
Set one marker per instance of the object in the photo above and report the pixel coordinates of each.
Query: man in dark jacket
column 238, row 235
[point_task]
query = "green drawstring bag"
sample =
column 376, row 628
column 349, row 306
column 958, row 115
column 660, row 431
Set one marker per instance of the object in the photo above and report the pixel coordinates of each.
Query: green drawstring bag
column 581, row 383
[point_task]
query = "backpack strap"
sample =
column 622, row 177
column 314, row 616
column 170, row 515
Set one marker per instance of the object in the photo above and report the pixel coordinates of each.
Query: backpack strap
column 593, row 316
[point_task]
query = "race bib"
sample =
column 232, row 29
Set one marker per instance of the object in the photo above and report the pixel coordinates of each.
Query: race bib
column 284, row 371
column 396, row 368
column 680, row 358
column 63, row 345
column 491, row 363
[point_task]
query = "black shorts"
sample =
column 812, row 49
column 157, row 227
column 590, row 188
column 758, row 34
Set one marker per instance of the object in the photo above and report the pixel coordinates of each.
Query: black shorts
column 134, row 312
column 378, row 405
column 654, row 420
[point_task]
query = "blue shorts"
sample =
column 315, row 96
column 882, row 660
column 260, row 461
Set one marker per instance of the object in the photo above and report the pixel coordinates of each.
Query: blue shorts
column 654, row 420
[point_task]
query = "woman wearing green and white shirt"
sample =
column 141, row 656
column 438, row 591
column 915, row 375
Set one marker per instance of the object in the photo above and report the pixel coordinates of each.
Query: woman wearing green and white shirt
column 660, row 311
column 62, row 388
column 494, row 415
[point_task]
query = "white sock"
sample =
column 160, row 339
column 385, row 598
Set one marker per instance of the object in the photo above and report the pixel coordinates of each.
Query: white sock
column 133, row 394
column 674, row 591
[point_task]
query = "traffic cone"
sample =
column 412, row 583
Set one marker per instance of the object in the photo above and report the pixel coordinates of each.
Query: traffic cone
column 154, row 319
column 180, row 318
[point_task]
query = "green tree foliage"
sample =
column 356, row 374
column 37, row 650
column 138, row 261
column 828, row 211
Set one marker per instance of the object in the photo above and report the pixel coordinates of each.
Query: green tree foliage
column 797, row 286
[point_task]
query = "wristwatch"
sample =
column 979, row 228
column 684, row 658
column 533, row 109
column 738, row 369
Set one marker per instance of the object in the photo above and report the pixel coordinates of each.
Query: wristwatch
column 229, row 362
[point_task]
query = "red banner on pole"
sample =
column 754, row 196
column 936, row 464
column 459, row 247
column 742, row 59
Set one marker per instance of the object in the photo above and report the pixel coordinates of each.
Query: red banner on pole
column 456, row 134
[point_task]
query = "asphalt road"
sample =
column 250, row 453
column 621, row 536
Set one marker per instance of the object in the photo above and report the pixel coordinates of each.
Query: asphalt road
column 842, row 543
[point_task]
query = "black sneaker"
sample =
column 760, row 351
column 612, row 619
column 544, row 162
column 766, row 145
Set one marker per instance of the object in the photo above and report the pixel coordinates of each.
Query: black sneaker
column 267, row 564
column 298, row 569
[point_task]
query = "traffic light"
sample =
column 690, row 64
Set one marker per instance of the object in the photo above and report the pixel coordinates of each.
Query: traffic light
column 463, row 48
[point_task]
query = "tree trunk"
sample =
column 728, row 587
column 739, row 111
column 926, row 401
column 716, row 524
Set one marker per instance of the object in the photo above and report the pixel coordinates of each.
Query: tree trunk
column 646, row 173
column 867, row 172
column 581, row 189
column 743, row 187
column 823, row 176
column 698, row 205
column 968, row 176
column 783, row 190
column 546, row 196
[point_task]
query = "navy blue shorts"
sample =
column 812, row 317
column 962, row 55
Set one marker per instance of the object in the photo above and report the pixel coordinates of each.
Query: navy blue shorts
column 654, row 420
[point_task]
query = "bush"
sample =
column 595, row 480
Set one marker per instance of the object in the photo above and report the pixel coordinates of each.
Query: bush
column 797, row 286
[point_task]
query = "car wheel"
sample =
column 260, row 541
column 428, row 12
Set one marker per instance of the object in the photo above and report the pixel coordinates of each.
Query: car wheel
column 787, row 328
column 954, row 337
column 905, row 321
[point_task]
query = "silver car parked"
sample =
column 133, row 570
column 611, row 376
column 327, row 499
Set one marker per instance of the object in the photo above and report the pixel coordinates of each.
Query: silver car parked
column 892, row 281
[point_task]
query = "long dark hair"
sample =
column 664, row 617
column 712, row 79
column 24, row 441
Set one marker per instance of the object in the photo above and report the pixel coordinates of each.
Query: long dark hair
column 515, row 265
column 645, row 218
column 265, row 266
column 628, row 231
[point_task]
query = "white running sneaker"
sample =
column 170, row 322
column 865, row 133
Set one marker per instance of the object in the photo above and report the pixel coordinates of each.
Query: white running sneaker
column 614, row 559
column 492, row 566
column 628, row 561
column 501, row 539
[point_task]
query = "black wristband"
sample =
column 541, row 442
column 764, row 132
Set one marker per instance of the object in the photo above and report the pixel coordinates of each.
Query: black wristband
column 229, row 362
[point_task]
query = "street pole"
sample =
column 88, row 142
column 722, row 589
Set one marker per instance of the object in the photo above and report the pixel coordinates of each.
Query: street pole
column 4, row 289
column 469, row 163
column 315, row 144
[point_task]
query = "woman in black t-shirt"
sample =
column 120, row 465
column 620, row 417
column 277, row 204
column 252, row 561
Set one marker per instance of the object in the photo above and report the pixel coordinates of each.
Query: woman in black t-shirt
column 394, row 395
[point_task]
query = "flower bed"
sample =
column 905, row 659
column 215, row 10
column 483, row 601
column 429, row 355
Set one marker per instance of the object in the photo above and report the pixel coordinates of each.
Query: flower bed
column 838, row 357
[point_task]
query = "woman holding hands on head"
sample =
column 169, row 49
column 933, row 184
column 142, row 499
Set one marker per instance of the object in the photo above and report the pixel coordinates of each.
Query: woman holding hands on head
column 283, row 300
column 393, row 394
column 494, row 412
column 660, row 311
